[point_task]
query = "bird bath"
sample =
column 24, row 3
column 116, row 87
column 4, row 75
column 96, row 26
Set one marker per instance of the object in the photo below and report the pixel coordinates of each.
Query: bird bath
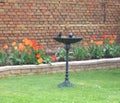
column 67, row 41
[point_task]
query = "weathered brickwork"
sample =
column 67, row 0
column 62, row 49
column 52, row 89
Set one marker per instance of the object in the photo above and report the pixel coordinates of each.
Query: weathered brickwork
column 43, row 19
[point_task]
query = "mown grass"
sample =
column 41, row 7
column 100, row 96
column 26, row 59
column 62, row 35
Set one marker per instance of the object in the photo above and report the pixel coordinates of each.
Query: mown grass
column 96, row 86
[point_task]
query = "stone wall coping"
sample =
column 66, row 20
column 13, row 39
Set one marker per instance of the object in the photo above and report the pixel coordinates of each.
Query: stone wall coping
column 94, row 61
column 57, row 64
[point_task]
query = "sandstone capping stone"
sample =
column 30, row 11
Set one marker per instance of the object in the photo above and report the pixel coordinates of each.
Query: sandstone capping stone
column 59, row 67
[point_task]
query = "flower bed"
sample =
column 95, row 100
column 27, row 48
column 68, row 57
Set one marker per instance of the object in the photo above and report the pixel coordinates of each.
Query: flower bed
column 107, row 47
column 24, row 56
column 59, row 67
column 25, row 52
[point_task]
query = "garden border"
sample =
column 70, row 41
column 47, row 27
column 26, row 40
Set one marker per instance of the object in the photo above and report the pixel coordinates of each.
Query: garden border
column 59, row 67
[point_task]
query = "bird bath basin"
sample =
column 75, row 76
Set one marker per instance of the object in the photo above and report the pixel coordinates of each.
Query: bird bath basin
column 67, row 40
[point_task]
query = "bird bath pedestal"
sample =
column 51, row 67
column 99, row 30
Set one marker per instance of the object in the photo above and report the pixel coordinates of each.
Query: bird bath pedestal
column 67, row 41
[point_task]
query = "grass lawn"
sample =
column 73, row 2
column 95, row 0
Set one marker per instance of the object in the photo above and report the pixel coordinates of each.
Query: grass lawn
column 96, row 86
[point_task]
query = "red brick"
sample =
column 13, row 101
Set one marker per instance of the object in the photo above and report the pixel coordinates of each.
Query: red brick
column 44, row 19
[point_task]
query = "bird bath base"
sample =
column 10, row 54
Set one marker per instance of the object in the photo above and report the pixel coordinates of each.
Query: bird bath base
column 66, row 83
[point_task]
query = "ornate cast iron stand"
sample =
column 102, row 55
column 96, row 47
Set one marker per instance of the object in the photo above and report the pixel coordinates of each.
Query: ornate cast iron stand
column 67, row 41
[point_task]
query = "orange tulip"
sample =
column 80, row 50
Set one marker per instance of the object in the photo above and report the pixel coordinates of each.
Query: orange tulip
column 26, row 41
column 114, row 36
column 104, row 36
column 93, row 38
column 41, row 47
column 111, row 36
column 40, row 60
column 111, row 41
column 21, row 47
column 35, row 47
column 85, row 44
column 33, row 43
column 99, row 42
column 5, row 46
column 38, row 55
column 91, row 41
column 28, row 52
column 13, row 43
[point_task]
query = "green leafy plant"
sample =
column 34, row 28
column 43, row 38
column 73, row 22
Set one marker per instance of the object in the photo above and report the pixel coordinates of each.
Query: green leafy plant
column 3, row 58
column 15, row 58
column 95, row 52
column 107, row 48
column 60, row 53
column 111, row 50
column 80, row 53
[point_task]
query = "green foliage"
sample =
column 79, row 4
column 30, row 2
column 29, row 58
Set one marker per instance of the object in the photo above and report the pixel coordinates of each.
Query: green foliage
column 60, row 53
column 95, row 51
column 3, row 58
column 111, row 50
column 92, row 52
column 80, row 53
column 15, row 58
column 47, row 59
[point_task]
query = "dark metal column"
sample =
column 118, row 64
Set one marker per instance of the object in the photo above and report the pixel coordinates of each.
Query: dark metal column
column 66, row 83
column 67, row 47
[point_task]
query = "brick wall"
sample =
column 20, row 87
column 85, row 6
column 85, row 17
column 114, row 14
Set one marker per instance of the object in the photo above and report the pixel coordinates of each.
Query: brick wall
column 43, row 19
